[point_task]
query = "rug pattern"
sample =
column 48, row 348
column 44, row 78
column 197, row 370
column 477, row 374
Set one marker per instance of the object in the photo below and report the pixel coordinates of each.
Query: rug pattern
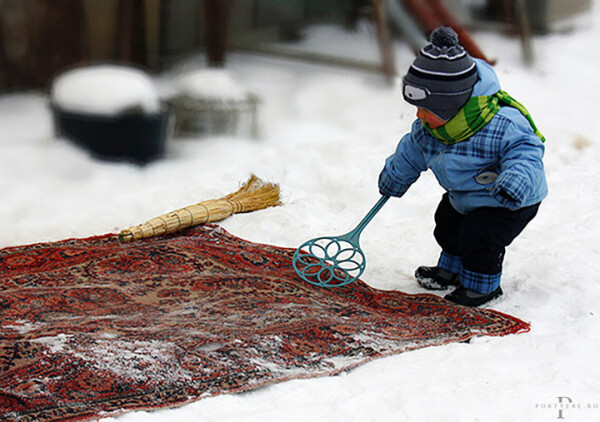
column 94, row 327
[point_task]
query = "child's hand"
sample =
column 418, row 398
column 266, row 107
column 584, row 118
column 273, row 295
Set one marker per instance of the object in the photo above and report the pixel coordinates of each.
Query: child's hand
column 505, row 199
column 506, row 196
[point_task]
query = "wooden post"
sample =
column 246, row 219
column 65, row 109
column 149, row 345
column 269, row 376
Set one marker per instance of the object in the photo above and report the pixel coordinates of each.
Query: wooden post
column 40, row 39
column 524, row 30
column 215, row 22
column 131, row 43
column 384, row 40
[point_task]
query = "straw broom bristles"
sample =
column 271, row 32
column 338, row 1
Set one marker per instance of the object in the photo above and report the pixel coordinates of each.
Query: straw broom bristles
column 253, row 195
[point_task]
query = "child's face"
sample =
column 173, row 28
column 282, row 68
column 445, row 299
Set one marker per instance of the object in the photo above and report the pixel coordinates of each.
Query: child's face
column 431, row 119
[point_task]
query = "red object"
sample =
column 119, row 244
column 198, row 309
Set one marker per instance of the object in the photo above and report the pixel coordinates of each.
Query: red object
column 424, row 15
column 93, row 325
column 433, row 13
column 448, row 18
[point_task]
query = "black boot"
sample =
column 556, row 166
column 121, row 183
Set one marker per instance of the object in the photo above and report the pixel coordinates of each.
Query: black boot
column 466, row 297
column 434, row 278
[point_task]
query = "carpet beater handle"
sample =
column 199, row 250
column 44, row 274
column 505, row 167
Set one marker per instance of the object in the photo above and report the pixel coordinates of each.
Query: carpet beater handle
column 334, row 261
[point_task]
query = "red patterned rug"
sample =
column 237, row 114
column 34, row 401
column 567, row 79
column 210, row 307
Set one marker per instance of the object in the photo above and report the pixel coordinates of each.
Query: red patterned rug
column 94, row 327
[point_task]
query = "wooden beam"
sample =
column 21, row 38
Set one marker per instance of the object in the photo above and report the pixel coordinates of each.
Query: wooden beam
column 384, row 40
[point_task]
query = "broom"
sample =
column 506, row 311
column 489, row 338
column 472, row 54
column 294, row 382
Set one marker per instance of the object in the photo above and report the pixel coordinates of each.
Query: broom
column 253, row 195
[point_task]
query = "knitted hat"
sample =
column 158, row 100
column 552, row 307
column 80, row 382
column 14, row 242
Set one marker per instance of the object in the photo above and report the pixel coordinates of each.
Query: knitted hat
column 442, row 76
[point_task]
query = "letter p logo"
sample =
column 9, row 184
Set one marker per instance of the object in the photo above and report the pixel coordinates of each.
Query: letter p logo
column 562, row 400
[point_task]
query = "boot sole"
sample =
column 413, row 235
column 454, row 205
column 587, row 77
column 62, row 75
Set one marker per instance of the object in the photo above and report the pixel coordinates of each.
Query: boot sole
column 475, row 303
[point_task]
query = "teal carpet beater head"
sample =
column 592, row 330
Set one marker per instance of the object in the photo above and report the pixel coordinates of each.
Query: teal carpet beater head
column 334, row 261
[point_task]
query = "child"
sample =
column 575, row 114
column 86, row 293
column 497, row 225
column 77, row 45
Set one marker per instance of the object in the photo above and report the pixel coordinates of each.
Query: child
column 484, row 150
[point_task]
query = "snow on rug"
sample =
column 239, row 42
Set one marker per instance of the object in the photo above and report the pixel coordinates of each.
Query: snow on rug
column 92, row 327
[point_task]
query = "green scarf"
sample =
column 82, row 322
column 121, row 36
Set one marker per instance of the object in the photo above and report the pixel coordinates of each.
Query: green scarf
column 475, row 114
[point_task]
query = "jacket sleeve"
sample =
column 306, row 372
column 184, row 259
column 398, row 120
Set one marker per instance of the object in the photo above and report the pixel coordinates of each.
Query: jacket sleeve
column 521, row 168
column 402, row 168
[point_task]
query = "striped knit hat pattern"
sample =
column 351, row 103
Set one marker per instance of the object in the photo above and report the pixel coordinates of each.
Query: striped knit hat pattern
column 442, row 77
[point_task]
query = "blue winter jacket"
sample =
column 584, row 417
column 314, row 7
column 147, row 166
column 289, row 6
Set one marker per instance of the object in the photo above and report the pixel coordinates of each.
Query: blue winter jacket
column 505, row 155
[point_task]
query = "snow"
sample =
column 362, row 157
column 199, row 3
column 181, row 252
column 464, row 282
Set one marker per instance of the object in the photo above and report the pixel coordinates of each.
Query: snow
column 217, row 84
column 105, row 89
column 325, row 135
column 142, row 361
column 55, row 344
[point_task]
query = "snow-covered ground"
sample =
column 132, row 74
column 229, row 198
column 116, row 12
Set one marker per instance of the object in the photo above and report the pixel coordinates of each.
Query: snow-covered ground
column 325, row 133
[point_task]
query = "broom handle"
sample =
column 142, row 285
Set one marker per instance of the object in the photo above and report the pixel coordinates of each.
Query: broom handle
column 253, row 195
column 353, row 236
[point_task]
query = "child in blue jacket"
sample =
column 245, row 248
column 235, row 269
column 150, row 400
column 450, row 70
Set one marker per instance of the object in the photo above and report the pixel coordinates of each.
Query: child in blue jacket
column 485, row 151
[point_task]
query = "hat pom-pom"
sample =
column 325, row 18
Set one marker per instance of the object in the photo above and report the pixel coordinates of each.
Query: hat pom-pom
column 444, row 37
